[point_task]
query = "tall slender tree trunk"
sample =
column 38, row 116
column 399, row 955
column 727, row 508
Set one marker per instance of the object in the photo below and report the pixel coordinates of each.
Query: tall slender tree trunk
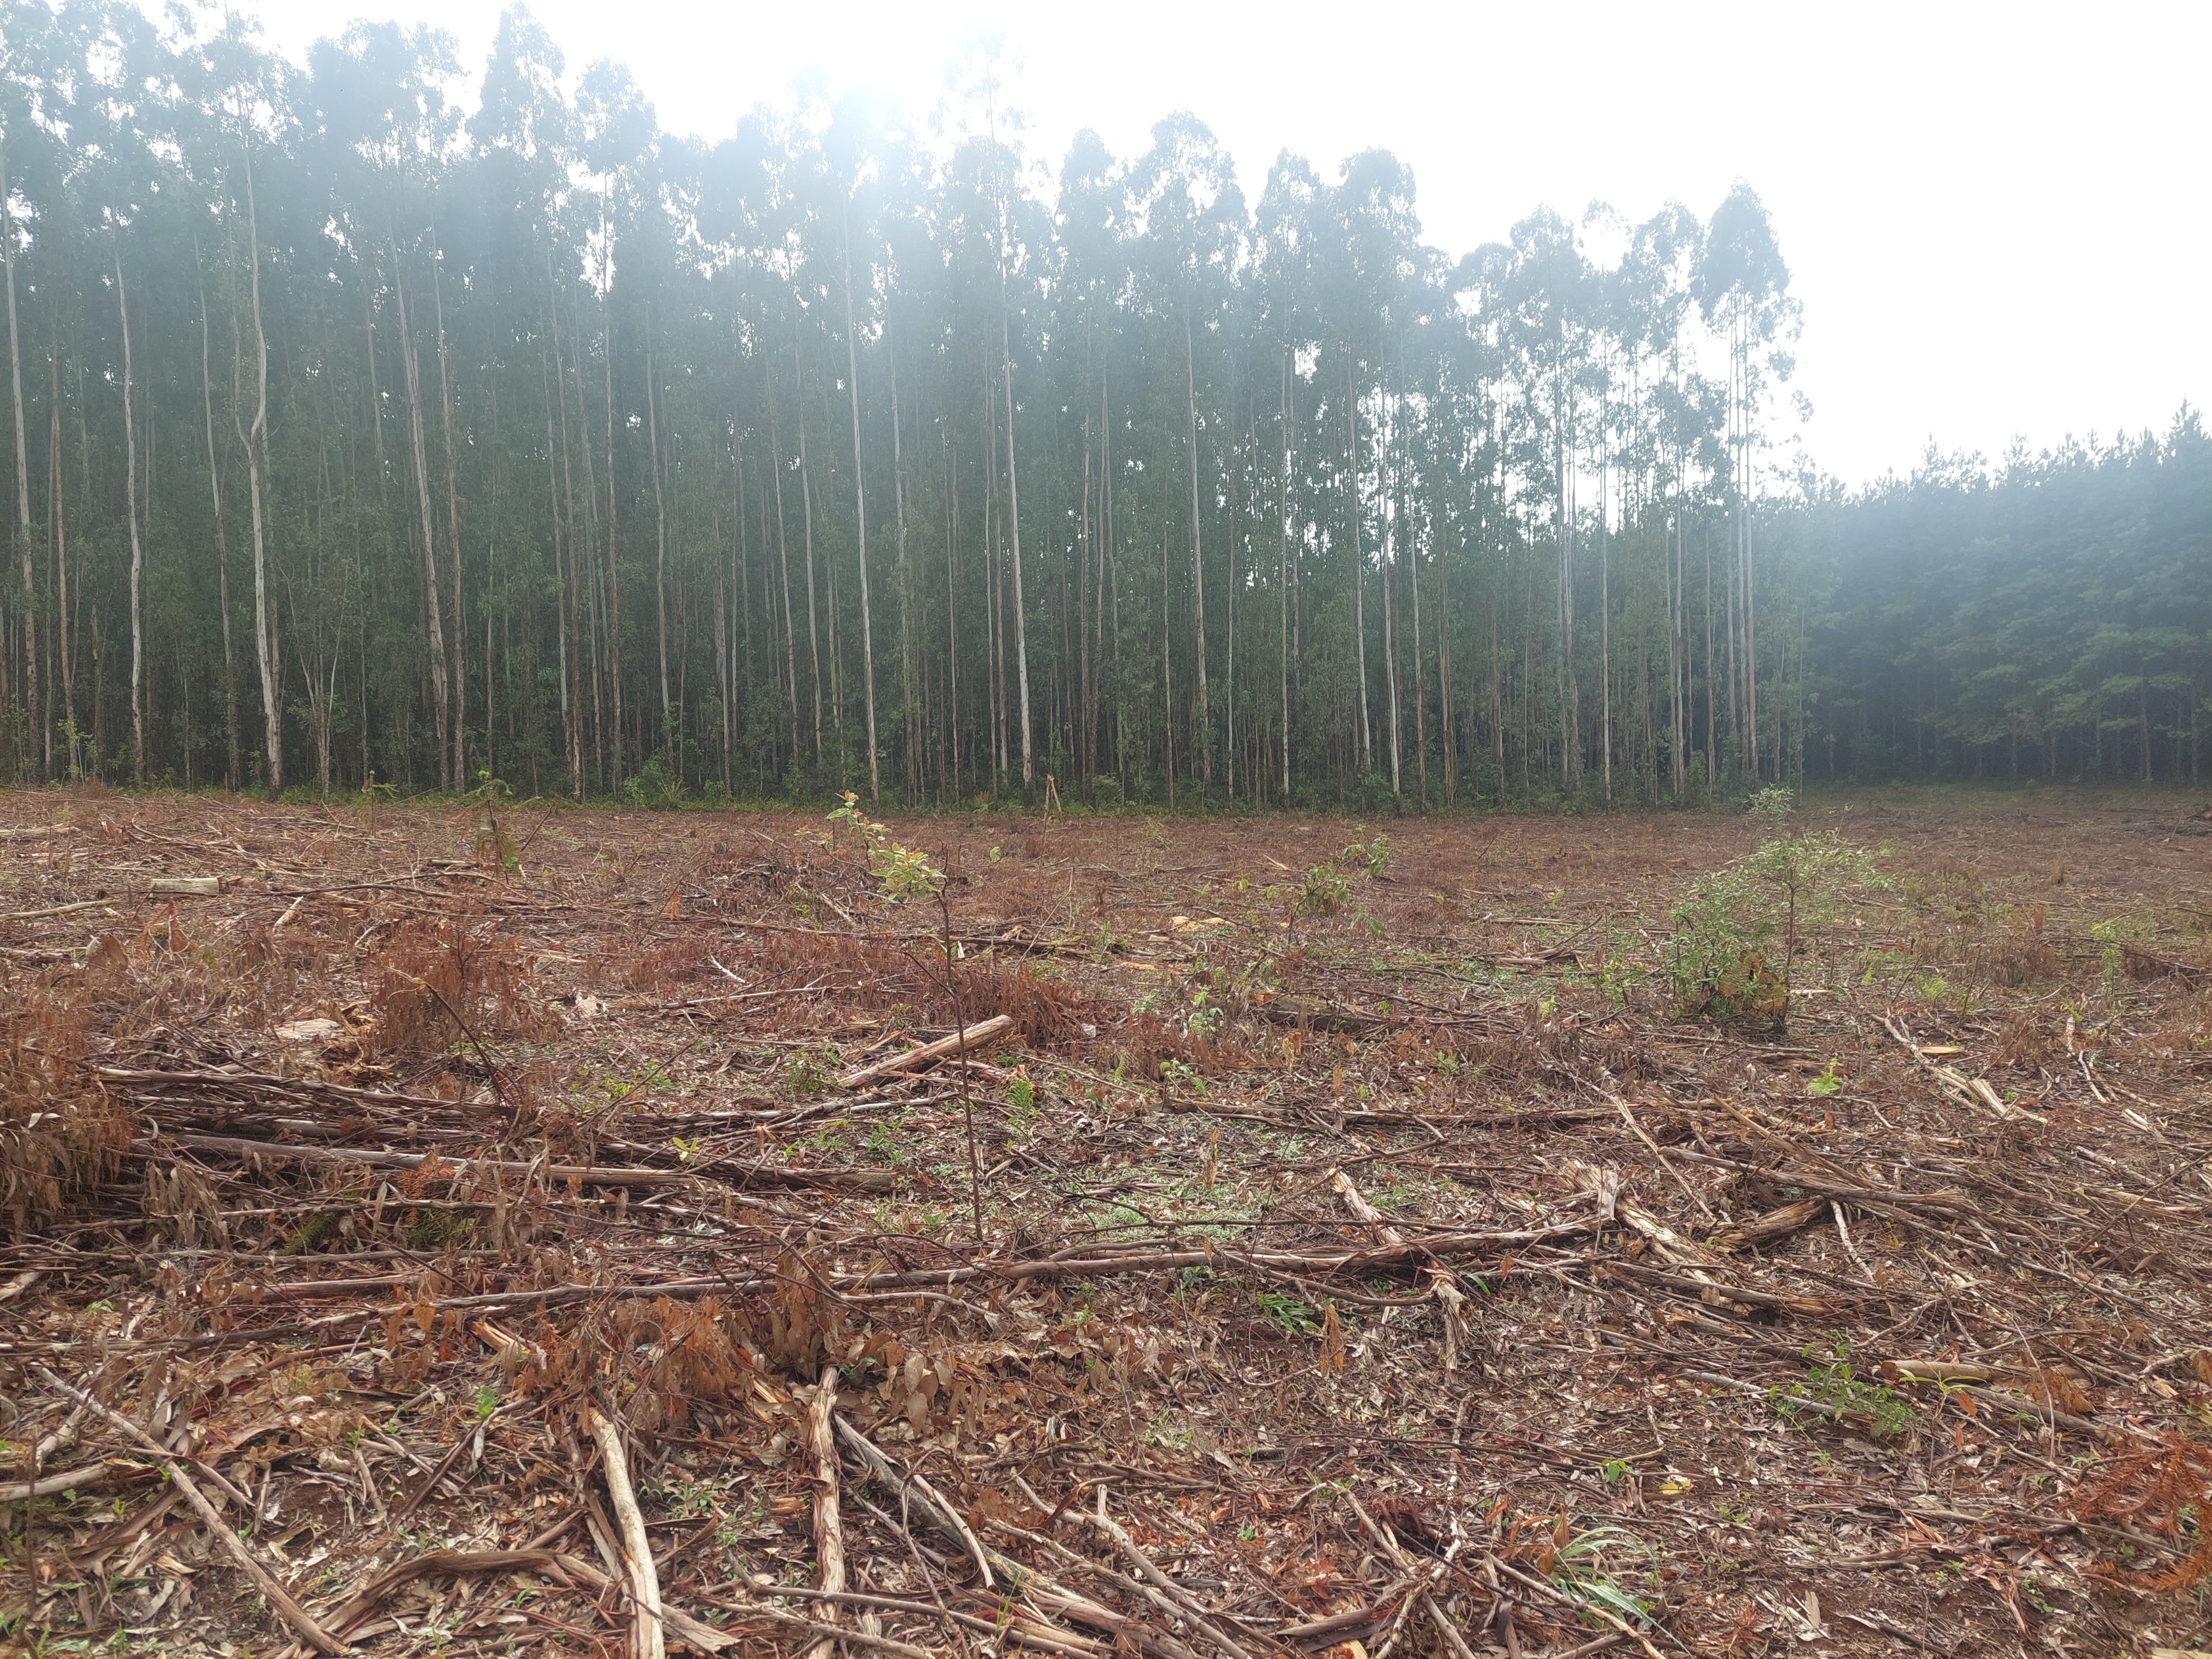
column 806, row 526
column 221, row 541
column 1107, row 594
column 783, row 558
column 1358, row 576
column 1283, row 575
column 1167, row 664
column 910, row 721
column 1394, row 545
column 64, row 633
column 1448, row 729
column 556, row 455
column 614, row 566
column 1084, row 748
column 434, row 607
column 1750, row 596
column 994, row 582
column 952, row 605
column 1391, row 534
column 1570, row 684
column 1014, row 541
column 1604, row 616
column 138, row 549
column 255, row 438
column 368, row 338
column 34, row 727
column 1712, row 748
column 571, row 633
column 659, row 545
column 861, row 512
column 460, row 765
column 1201, row 723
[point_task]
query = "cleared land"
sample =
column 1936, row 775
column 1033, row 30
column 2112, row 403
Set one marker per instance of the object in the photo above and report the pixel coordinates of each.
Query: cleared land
column 1335, row 1251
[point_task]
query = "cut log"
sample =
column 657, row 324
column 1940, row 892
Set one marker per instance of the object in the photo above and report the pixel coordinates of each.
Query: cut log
column 979, row 1035
column 188, row 886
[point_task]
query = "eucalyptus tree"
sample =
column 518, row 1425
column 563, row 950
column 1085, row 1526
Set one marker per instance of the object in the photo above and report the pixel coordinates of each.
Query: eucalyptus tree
column 1284, row 233
column 1742, row 284
column 1147, row 491
column 1187, row 215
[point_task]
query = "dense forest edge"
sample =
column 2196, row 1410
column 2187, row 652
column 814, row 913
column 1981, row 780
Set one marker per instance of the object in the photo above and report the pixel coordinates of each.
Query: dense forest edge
column 376, row 427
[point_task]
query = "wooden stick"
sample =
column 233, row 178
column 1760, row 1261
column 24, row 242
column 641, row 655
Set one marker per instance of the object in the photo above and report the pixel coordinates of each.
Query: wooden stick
column 1366, row 1213
column 587, row 1175
column 962, row 1042
column 292, row 1613
column 38, row 832
column 54, row 910
column 1637, row 1129
column 938, row 1513
column 456, row 1563
column 828, row 1527
column 637, row 1549
column 17, row 1491
column 832, row 1633
column 700, row 1634
column 1178, row 1601
column 1051, row 1639
column 1850, row 1249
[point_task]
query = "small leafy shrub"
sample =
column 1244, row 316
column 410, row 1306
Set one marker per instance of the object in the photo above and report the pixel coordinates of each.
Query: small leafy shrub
column 1291, row 1316
column 903, row 873
column 1325, row 892
column 1589, row 1569
column 1869, row 1404
column 654, row 788
column 1327, row 887
column 1739, row 932
column 1374, row 853
column 1022, row 1111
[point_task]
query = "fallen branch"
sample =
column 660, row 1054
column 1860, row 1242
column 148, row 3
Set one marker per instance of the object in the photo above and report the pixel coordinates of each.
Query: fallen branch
column 583, row 1173
column 637, row 1549
column 18, row 1491
column 700, row 1634
column 965, row 1042
column 1053, row 1640
column 934, row 1510
column 54, row 910
column 828, row 1527
column 292, row 1613
column 453, row 1563
column 1178, row 1601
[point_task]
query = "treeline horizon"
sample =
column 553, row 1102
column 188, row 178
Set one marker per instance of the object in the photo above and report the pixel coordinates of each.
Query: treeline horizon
column 361, row 435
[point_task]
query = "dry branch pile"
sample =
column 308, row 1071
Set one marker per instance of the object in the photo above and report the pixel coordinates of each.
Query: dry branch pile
column 647, row 1236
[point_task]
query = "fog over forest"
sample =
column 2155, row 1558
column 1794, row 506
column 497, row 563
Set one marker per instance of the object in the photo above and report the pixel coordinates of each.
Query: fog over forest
column 374, row 419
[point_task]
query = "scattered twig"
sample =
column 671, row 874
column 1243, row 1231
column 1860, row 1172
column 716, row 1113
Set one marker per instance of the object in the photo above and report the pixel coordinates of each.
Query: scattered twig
column 292, row 1613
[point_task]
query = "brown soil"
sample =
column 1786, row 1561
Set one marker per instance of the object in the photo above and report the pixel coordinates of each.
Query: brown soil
column 1371, row 1241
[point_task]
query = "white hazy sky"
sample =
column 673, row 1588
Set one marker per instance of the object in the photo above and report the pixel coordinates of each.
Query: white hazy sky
column 1997, row 215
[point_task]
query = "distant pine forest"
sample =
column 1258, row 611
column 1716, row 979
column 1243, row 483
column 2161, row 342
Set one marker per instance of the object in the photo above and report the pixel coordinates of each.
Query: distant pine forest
column 370, row 422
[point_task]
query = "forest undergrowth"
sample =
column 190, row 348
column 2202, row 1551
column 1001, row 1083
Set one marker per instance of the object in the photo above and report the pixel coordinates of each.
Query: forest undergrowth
column 495, row 1228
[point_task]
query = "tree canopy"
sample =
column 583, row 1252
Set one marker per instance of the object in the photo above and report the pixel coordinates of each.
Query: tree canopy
column 373, row 421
